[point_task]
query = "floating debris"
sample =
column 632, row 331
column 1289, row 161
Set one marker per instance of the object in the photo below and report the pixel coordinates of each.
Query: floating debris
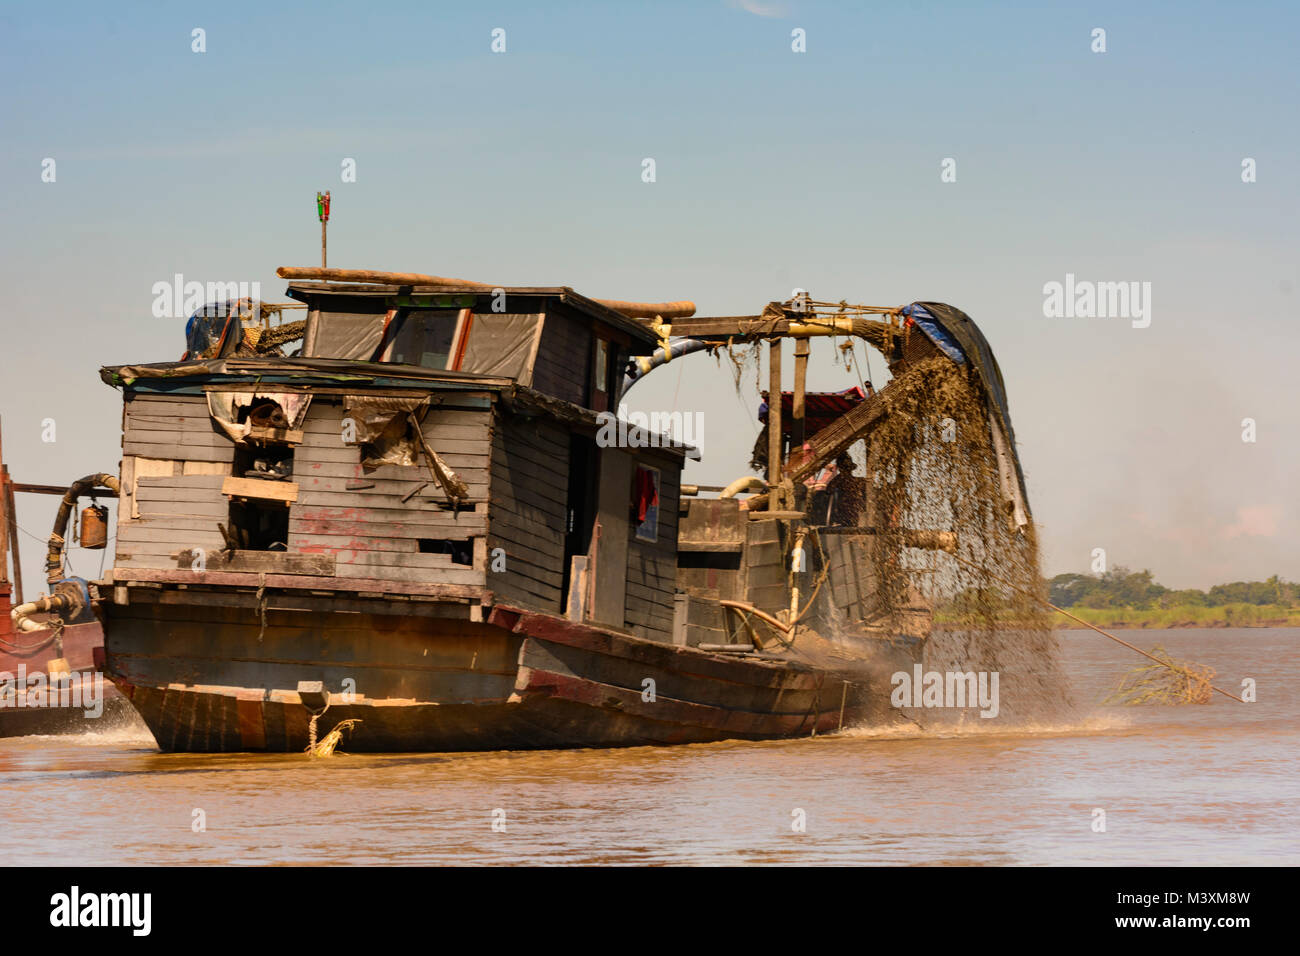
column 1169, row 683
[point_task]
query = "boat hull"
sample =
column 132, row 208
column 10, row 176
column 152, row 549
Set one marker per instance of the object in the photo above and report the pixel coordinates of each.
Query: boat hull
column 29, row 654
column 213, row 679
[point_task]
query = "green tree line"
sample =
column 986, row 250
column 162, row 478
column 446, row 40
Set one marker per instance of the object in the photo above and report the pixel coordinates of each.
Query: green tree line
column 1121, row 587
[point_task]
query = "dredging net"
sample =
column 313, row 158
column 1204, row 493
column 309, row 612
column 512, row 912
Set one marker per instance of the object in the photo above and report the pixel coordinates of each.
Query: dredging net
column 932, row 479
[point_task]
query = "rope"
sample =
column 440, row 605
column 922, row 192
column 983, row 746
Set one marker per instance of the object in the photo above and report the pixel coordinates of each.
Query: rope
column 311, row 728
column 261, row 606
column 27, row 650
column 1080, row 620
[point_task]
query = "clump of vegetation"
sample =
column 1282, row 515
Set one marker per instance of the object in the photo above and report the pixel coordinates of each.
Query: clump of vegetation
column 1169, row 683
column 331, row 740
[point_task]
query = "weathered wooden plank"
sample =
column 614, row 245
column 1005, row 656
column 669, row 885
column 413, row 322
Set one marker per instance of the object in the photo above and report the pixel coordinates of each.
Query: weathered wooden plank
column 328, row 420
column 260, row 489
column 464, row 454
column 175, row 436
column 167, row 406
column 516, row 432
column 180, row 481
column 517, row 564
column 197, row 537
column 209, row 505
column 525, row 593
column 711, row 547
column 135, row 559
column 379, row 488
column 553, row 459
column 519, row 485
column 411, row 473
column 323, row 417
column 352, row 584
column 413, row 530
column 437, row 574
column 639, row 609
column 395, row 559
column 544, row 552
column 450, row 436
column 650, row 627
column 429, row 499
column 662, row 597
column 290, row 436
column 186, row 420
column 331, row 543
column 152, row 511
column 516, row 495
column 303, row 472
column 527, row 521
column 278, row 562
column 471, row 522
column 184, row 451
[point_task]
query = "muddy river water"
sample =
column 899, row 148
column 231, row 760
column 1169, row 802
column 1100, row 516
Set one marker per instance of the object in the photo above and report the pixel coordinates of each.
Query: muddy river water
column 1215, row 785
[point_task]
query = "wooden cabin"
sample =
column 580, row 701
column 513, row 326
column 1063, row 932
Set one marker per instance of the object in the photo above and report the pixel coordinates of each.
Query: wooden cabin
column 326, row 470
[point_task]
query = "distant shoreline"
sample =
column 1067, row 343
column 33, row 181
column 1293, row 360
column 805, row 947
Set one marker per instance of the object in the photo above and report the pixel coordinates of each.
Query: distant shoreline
column 1179, row 616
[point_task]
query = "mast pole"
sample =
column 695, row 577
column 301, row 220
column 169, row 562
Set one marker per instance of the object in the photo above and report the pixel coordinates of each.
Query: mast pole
column 323, row 213
column 9, row 534
column 4, row 527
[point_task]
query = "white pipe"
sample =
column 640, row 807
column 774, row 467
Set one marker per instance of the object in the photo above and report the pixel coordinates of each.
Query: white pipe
column 22, row 622
column 748, row 483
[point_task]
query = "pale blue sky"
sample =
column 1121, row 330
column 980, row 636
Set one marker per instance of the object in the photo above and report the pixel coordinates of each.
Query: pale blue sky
column 775, row 169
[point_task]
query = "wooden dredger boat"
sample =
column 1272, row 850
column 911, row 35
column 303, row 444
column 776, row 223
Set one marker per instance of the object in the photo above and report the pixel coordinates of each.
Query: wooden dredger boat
column 424, row 521
column 48, row 681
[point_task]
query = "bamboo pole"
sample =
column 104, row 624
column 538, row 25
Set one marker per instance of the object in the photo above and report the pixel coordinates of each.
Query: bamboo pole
column 12, row 510
column 634, row 310
column 4, row 525
column 775, row 496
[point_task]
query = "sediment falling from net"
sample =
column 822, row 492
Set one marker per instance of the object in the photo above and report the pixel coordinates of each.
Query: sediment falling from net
column 931, row 468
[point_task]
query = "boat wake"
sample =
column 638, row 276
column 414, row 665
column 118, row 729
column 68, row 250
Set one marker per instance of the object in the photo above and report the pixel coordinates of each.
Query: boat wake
column 1092, row 724
column 127, row 733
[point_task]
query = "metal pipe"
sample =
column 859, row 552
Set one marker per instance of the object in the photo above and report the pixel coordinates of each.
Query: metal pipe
column 82, row 486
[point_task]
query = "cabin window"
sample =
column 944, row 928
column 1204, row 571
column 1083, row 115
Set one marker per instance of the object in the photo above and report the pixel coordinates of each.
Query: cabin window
column 645, row 503
column 500, row 344
column 258, row 519
column 422, row 337
column 343, row 335
column 600, row 380
column 460, row 550
column 602, row 363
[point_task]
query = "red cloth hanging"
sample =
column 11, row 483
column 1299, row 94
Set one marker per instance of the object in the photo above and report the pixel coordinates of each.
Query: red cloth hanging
column 645, row 492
